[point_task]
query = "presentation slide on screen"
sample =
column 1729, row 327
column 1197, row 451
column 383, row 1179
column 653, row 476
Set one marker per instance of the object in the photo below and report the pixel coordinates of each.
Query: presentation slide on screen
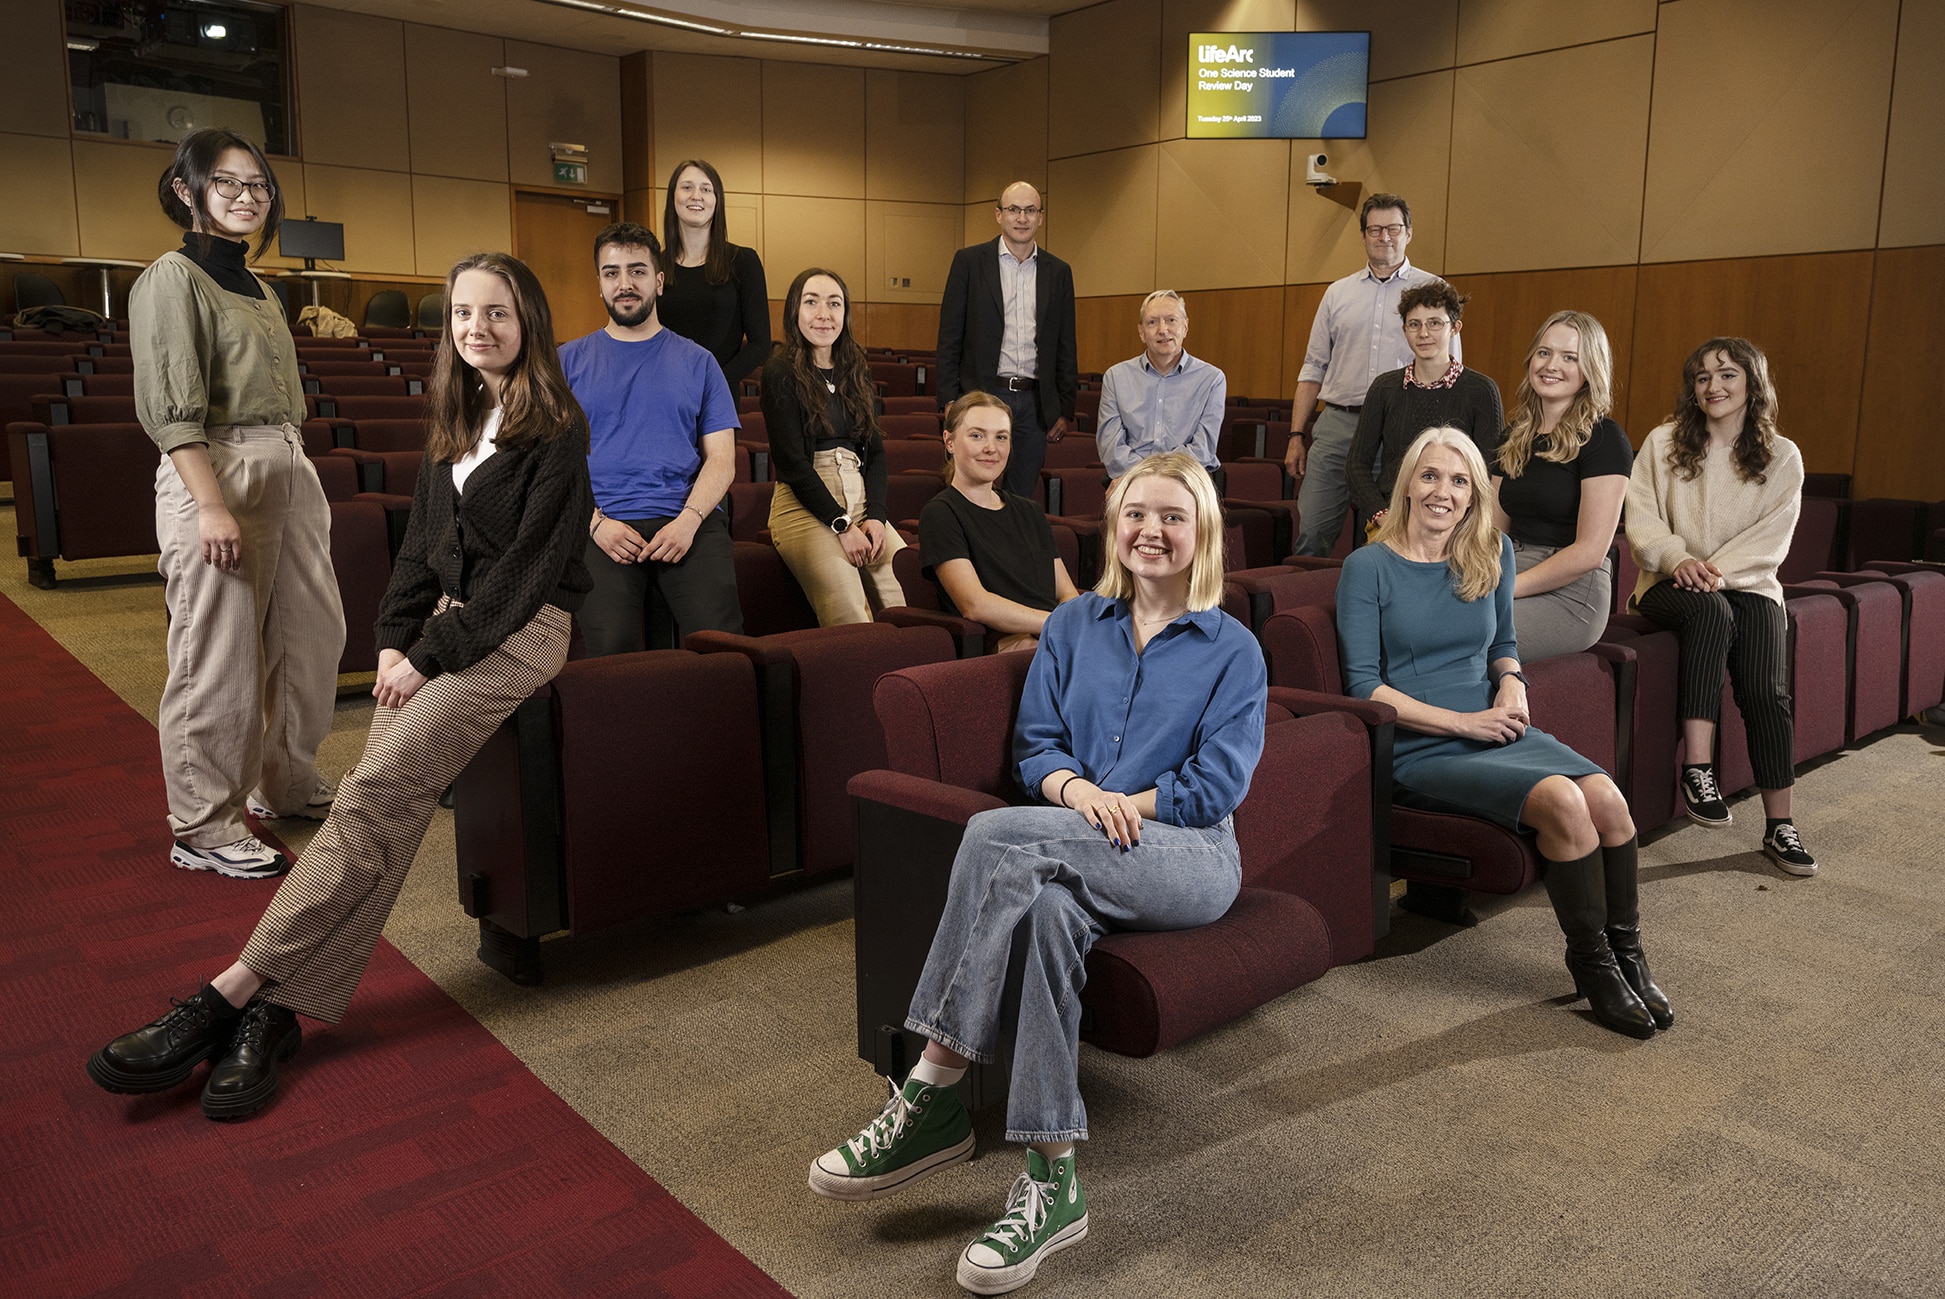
column 1278, row 85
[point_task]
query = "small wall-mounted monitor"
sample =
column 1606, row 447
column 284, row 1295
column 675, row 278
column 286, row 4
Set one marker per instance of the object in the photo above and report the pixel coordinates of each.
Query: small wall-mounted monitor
column 314, row 241
column 1278, row 85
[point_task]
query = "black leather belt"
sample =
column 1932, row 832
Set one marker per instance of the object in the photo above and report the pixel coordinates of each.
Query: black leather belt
column 1014, row 383
column 1348, row 410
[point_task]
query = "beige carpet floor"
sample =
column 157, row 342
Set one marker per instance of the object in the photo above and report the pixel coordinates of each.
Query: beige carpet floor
column 1437, row 1120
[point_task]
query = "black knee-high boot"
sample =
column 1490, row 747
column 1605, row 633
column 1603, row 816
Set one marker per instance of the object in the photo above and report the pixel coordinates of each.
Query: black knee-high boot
column 1580, row 903
column 1621, row 865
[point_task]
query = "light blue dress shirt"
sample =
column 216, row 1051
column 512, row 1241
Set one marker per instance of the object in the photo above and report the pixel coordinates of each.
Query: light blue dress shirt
column 1145, row 412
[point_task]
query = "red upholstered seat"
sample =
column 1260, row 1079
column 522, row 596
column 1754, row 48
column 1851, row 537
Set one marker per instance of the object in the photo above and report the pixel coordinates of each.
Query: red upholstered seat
column 1923, row 594
column 926, row 454
column 1874, row 649
column 1885, row 529
column 1814, row 545
column 361, row 556
column 1251, row 595
column 372, row 408
column 749, row 509
column 81, row 491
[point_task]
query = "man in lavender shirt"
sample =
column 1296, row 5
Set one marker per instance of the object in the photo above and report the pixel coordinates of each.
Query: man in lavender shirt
column 1162, row 400
column 1355, row 338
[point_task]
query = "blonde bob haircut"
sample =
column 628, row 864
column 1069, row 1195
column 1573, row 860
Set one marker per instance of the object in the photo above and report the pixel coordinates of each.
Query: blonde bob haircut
column 1205, row 572
column 956, row 413
column 1474, row 551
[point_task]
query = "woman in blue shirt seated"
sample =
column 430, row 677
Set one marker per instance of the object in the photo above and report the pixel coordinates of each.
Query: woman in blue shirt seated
column 1425, row 618
column 991, row 552
column 1139, row 728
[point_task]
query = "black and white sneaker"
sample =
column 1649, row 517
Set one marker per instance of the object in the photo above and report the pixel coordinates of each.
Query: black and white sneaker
column 249, row 858
column 1784, row 846
column 1703, row 797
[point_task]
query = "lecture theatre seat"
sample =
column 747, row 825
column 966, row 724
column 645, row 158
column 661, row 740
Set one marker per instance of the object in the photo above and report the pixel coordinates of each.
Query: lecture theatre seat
column 1305, row 905
column 1873, row 650
column 361, row 556
column 629, row 788
column 81, row 491
column 1922, row 594
column 924, row 601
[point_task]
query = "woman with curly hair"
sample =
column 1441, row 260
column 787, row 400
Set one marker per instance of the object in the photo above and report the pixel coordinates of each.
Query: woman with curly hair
column 1425, row 620
column 827, row 517
column 1712, row 506
column 1560, row 474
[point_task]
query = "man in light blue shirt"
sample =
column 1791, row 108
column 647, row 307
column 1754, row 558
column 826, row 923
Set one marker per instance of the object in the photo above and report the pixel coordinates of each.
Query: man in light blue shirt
column 1162, row 400
column 1355, row 338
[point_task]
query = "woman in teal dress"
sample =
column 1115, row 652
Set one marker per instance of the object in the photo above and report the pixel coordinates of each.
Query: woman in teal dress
column 1425, row 623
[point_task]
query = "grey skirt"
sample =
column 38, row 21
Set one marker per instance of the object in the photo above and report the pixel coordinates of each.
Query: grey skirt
column 1566, row 619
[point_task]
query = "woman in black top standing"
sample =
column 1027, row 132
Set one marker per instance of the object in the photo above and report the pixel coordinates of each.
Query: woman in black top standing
column 1562, row 474
column 827, row 517
column 1434, row 391
column 991, row 552
column 475, row 620
column 713, row 291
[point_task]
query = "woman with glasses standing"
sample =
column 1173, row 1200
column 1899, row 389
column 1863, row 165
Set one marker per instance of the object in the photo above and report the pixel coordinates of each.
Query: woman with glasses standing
column 713, row 291
column 1434, row 391
column 255, row 624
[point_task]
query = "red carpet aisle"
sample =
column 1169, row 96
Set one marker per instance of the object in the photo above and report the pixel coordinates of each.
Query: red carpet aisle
column 411, row 1153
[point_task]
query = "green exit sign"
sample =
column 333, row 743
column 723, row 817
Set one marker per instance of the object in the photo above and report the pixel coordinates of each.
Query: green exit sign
column 570, row 173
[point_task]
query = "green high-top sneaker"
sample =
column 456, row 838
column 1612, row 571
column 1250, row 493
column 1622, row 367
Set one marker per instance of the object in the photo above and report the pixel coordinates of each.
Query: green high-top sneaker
column 923, row 1128
column 1045, row 1213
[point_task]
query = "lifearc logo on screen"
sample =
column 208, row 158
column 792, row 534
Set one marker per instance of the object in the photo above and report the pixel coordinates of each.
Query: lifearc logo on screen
column 1278, row 85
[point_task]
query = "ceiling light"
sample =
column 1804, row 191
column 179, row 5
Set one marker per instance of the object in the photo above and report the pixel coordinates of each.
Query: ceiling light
column 615, row 10
column 215, row 31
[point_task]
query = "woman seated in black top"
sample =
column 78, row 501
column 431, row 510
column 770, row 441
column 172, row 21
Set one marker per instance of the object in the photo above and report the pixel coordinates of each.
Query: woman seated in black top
column 1562, row 474
column 1434, row 391
column 712, row 290
column 991, row 552
column 827, row 516
column 475, row 620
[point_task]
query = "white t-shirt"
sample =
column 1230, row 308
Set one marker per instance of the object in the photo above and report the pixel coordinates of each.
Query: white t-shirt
column 463, row 467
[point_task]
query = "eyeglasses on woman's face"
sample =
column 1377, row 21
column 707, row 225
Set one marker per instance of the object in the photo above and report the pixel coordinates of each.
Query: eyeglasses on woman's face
column 231, row 187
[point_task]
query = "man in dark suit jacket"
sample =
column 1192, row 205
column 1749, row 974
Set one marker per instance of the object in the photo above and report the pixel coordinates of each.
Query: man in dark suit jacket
column 1024, row 355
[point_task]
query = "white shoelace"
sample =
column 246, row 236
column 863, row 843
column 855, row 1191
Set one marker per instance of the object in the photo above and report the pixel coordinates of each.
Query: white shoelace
column 1703, row 787
column 1026, row 1211
column 1786, row 838
column 879, row 1135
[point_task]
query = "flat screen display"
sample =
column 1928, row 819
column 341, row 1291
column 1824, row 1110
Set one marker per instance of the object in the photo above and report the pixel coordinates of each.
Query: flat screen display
column 1278, row 85
column 318, row 240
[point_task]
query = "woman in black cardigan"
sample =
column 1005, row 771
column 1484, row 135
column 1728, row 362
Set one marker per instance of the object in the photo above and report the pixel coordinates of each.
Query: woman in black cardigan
column 713, row 291
column 827, row 517
column 475, row 620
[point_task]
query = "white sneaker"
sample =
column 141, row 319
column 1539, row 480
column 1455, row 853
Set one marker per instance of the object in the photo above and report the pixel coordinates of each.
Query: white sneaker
column 249, row 858
column 315, row 809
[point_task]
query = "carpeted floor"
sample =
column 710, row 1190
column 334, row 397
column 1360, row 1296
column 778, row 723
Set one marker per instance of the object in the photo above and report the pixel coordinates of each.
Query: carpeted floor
column 1437, row 1120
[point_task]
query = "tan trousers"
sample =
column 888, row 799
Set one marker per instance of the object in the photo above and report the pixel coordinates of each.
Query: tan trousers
column 315, row 939
column 839, row 591
column 253, row 654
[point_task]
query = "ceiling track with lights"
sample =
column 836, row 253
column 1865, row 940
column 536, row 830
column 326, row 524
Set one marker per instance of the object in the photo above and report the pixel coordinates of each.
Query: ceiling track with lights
column 702, row 27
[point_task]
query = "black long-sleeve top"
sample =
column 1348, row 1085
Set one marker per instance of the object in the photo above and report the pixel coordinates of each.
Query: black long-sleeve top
column 730, row 320
column 1394, row 416
column 792, row 444
column 510, row 544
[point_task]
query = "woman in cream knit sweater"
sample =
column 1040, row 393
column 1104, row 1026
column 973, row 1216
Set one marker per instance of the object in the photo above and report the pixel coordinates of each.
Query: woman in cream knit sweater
column 1711, row 507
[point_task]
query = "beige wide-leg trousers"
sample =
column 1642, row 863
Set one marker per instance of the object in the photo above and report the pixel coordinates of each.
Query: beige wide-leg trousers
column 316, row 937
column 253, row 654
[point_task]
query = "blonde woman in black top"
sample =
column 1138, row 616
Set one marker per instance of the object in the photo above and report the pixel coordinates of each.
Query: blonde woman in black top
column 475, row 620
column 1562, row 474
column 255, row 624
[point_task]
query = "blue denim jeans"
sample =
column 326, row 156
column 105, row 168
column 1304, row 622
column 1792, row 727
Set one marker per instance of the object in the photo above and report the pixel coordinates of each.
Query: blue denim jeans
column 1032, row 888
column 1326, row 491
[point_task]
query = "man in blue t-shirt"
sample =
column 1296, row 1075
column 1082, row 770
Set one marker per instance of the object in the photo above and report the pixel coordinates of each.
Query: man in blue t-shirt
column 662, row 452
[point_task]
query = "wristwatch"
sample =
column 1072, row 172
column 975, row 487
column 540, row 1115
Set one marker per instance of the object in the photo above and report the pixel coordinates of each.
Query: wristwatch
column 841, row 524
column 1521, row 676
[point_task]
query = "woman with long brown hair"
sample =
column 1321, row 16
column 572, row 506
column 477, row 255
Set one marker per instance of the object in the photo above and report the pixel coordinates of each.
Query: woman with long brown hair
column 1712, row 506
column 1561, row 472
column 827, row 517
column 1425, row 617
column 713, row 291
column 474, row 621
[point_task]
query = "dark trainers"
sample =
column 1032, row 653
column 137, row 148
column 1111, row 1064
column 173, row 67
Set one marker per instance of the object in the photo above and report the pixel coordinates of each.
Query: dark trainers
column 244, row 1078
column 157, row 1057
column 249, row 858
column 316, row 808
column 1045, row 1213
column 923, row 1128
column 1784, row 846
column 1703, row 797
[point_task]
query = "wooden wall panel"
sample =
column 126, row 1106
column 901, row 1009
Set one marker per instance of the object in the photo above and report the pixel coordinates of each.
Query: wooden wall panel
column 892, row 324
column 1222, row 213
column 457, row 107
column 376, row 209
column 1104, row 77
column 1406, row 39
column 803, row 232
column 710, row 107
column 1499, row 29
column 1809, row 314
column 1105, row 330
column 907, row 241
column 1240, row 331
column 114, row 186
column 915, row 137
column 813, row 132
column 569, row 96
column 451, row 218
column 1006, row 129
column 1300, row 303
column 1503, row 312
column 1900, row 451
column 1106, row 224
column 351, row 109
column 638, row 125
column 51, row 225
column 34, row 93
column 1914, row 182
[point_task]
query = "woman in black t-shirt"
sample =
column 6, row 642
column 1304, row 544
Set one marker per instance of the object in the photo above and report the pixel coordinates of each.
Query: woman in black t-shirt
column 1562, row 472
column 990, row 552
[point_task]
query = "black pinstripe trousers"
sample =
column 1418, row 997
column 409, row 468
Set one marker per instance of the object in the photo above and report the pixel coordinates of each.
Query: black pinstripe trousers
column 1747, row 634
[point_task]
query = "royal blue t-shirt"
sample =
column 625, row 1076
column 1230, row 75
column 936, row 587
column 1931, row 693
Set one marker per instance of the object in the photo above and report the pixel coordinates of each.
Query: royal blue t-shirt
column 649, row 405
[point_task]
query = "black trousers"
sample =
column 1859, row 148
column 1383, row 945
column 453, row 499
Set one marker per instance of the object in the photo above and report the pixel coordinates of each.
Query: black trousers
column 1748, row 635
column 699, row 589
